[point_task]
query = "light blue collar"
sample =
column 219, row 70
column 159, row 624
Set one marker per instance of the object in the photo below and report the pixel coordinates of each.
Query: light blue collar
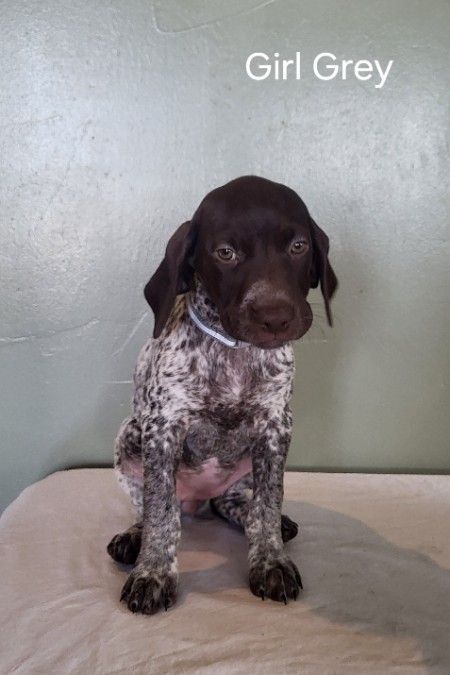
column 221, row 336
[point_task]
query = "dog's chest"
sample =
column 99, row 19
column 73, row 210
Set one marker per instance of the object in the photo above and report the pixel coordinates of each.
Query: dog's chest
column 208, row 439
column 217, row 448
column 230, row 377
column 231, row 412
column 240, row 385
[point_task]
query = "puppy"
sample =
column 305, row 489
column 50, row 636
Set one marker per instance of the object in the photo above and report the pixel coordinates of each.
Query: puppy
column 211, row 416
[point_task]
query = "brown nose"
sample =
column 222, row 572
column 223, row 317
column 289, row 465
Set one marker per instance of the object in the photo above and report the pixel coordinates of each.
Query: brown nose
column 272, row 318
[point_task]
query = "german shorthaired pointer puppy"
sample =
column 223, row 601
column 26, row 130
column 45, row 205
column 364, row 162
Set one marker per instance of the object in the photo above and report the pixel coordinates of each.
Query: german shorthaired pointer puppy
column 211, row 417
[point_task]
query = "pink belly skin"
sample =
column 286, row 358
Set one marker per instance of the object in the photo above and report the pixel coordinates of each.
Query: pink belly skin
column 194, row 486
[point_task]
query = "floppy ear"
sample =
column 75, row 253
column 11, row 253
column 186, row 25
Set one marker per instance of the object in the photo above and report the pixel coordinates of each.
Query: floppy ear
column 173, row 276
column 321, row 269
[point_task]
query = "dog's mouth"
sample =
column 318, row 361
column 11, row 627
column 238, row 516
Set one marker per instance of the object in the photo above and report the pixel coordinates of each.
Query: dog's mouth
column 270, row 342
column 240, row 325
column 264, row 339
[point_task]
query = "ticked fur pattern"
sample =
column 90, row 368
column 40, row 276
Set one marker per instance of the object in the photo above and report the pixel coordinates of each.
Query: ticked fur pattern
column 195, row 399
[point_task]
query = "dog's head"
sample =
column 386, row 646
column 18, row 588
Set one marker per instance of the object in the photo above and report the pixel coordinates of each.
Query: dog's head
column 257, row 252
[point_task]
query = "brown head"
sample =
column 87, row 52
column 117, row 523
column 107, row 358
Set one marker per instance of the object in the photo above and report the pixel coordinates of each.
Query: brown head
column 257, row 252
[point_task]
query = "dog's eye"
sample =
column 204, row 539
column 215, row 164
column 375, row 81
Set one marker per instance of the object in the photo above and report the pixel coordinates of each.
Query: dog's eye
column 226, row 254
column 298, row 247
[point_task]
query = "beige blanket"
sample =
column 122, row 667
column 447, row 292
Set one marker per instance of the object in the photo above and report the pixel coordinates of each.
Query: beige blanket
column 373, row 551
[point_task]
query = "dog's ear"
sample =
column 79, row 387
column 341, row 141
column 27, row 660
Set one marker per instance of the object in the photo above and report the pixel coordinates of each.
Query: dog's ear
column 321, row 269
column 173, row 276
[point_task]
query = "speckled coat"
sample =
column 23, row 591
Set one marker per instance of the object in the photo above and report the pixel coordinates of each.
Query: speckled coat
column 196, row 399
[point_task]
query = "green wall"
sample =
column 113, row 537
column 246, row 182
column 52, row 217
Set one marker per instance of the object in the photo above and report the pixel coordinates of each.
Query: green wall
column 117, row 117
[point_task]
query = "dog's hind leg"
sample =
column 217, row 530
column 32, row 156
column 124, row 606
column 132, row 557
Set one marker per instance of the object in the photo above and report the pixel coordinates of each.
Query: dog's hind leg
column 128, row 464
column 233, row 506
column 125, row 546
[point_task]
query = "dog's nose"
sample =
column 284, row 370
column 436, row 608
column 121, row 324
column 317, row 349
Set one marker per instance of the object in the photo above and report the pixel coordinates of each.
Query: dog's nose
column 273, row 318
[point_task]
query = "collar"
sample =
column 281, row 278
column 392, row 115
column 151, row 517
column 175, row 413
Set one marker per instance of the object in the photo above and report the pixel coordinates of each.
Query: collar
column 219, row 335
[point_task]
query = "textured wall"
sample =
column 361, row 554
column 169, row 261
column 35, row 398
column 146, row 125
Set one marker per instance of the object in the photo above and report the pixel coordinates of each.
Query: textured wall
column 117, row 117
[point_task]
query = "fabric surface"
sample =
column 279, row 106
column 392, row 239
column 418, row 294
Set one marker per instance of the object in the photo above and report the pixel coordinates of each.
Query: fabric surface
column 373, row 551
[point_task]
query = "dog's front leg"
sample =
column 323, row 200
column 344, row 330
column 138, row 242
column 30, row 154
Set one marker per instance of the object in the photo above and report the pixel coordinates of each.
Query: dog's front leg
column 153, row 582
column 272, row 572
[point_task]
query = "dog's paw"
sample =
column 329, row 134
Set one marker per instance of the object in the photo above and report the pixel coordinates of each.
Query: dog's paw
column 148, row 591
column 125, row 547
column 278, row 580
column 289, row 529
